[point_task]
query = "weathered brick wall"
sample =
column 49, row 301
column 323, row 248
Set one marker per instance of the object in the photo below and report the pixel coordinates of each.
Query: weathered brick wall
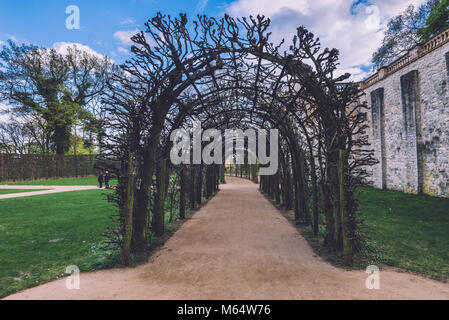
column 409, row 121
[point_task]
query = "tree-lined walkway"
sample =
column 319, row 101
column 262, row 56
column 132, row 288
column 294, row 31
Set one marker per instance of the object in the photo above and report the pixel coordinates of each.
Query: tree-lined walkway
column 238, row 246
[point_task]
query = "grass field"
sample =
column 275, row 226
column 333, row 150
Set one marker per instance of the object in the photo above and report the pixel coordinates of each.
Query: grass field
column 84, row 181
column 41, row 235
column 402, row 230
column 9, row 191
column 411, row 231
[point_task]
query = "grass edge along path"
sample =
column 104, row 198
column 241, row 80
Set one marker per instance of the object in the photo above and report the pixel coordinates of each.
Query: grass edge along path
column 10, row 191
column 408, row 231
column 53, row 249
column 74, row 181
column 405, row 231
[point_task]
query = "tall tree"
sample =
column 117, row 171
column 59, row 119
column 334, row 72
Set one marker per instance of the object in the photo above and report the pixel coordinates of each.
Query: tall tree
column 437, row 21
column 51, row 86
column 402, row 33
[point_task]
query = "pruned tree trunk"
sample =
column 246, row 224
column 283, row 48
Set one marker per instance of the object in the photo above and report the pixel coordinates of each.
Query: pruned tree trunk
column 159, row 207
column 304, row 207
column 315, row 198
column 297, row 209
column 329, row 239
column 276, row 188
column 336, row 203
column 182, row 193
column 192, row 195
column 199, row 184
column 346, row 224
column 288, row 191
column 128, row 211
column 140, row 221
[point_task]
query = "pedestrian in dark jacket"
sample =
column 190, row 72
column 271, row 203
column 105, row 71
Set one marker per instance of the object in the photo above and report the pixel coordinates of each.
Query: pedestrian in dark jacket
column 100, row 180
column 107, row 177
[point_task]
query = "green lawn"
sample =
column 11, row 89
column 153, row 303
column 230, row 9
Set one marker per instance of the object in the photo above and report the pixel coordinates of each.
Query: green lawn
column 83, row 181
column 41, row 235
column 28, row 224
column 9, row 191
column 412, row 231
column 402, row 230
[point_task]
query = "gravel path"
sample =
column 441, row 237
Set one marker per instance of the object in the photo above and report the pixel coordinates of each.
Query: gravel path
column 52, row 189
column 238, row 246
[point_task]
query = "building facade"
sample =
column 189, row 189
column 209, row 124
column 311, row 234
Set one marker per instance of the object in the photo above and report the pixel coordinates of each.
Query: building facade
column 409, row 120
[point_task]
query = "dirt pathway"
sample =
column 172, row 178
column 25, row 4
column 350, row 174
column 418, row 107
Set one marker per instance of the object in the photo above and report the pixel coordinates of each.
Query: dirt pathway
column 51, row 189
column 238, row 247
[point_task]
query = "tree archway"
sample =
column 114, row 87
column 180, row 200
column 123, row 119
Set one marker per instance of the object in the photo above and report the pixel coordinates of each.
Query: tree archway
column 227, row 74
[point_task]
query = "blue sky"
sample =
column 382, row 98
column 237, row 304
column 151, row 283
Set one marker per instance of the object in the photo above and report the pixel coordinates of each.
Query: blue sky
column 43, row 22
column 107, row 25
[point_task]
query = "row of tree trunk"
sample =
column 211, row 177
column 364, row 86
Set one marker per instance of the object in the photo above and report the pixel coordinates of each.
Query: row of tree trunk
column 317, row 117
column 296, row 187
column 191, row 183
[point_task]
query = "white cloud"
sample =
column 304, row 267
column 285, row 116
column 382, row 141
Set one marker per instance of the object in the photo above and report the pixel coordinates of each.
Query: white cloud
column 128, row 20
column 125, row 36
column 201, row 5
column 8, row 37
column 353, row 34
column 123, row 50
column 357, row 74
column 3, row 116
column 266, row 7
column 11, row 37
column 62, row 48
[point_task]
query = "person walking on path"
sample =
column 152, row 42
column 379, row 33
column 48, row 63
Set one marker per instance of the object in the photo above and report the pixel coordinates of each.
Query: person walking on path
column 107, row 177
column 100, row 180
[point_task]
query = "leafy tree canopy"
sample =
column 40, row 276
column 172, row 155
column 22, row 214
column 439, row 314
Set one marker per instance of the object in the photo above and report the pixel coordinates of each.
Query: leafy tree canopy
column 77, row 146
column 437, row 21
column 53, row 87
column 402, row 33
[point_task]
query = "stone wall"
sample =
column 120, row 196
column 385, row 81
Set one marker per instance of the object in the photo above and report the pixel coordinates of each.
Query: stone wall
column 409, row 120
